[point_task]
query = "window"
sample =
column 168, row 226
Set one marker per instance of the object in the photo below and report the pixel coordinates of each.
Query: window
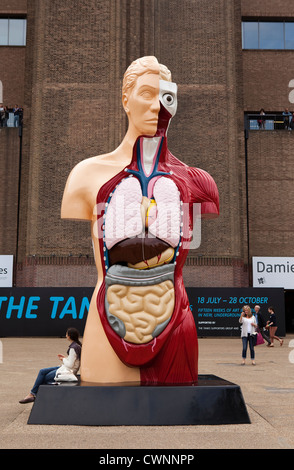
column 250, row 35
column 289, row 35
column 3, row 32
column 268, row 35
column 271, row 35
column 13, row 32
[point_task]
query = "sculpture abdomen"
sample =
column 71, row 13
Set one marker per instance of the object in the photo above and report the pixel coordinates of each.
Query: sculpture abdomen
column 141, row 234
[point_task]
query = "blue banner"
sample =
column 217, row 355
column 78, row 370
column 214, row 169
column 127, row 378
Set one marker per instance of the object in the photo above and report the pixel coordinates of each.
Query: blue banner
column 43, row 311
column 217, row 310
column 49, row 311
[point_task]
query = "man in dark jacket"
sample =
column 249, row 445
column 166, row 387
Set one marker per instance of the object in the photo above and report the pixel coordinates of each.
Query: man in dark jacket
column 261, row 324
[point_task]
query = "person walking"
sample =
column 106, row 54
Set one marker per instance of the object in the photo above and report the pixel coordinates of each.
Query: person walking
column 272, row 326
column 248, row 330
column 261, row 324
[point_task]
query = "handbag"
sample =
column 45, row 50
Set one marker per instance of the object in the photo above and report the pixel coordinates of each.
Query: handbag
column 254, row 338
column 63, row 374
column 259, row 338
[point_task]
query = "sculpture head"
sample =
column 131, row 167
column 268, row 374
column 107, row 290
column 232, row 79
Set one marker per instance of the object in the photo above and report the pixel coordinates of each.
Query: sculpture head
column 149, row 97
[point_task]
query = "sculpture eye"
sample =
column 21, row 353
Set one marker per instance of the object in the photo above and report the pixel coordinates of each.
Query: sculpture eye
column 146, row 94
column 168, row 99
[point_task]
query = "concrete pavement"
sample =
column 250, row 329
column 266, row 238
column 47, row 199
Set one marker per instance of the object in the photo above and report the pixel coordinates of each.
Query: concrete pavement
column 268, row 391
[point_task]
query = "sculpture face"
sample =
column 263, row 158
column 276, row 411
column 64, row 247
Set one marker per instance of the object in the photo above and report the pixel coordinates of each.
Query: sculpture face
column 142, row 105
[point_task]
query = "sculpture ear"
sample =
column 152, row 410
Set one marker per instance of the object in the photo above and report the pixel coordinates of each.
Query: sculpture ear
column 125, row 103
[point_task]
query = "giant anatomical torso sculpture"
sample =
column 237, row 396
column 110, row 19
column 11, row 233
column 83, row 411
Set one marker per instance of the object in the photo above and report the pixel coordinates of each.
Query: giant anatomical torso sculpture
column 142, row 223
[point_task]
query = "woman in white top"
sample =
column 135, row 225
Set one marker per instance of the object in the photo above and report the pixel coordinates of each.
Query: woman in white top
column 247, row 331
column 70, row 366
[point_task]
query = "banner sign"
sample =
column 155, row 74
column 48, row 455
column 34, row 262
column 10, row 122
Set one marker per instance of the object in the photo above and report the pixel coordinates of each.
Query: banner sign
column 273, row 272
column 49, row 311
column 217, row 311
column 6, row 270
column 43, row 311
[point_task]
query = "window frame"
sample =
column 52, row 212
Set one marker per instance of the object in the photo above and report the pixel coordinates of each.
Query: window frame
column 24, row 30
column 260, row 21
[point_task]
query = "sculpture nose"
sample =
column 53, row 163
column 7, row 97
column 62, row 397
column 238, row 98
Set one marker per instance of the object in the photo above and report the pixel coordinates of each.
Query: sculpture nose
column 155, row 106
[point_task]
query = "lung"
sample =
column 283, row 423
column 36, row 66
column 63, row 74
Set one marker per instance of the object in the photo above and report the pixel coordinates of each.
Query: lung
column 124, row 219
column 166, row 225
column 123, row 215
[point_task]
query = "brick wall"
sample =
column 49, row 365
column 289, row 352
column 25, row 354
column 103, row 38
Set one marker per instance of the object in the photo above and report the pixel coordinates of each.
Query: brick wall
column 267, row 73
column 9, row 179
column 266, row 80
column 75, row 65
column 81, row 272
column 204, row 56
column 12, row 59
column 270, row 181
column 12, row 72
column 57, row 271
column 215, row 272
column 16, row 7
column 268, row 8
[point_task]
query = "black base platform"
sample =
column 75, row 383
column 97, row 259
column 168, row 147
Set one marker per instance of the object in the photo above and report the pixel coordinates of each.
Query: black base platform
column 212, row 401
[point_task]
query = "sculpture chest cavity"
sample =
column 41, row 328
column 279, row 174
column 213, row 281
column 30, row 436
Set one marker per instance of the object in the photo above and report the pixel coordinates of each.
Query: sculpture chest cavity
column 128, row 213
column 141, row 235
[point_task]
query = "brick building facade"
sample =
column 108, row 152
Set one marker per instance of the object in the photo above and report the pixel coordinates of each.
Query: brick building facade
column 74, row 65
column 12, row 58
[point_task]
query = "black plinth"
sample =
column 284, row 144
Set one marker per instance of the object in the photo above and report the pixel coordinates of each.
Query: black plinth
column 212, row 401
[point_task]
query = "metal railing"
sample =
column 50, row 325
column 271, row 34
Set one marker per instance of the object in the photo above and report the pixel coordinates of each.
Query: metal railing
column 11, row 122
column 268, row 122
